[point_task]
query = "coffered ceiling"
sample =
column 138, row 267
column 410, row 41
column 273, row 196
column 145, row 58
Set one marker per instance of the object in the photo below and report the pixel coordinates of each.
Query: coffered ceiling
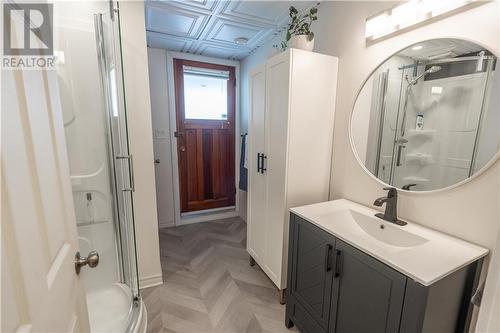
column 210, row 28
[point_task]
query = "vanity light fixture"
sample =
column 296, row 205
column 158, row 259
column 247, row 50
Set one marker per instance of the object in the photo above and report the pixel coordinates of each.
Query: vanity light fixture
column 409, row 14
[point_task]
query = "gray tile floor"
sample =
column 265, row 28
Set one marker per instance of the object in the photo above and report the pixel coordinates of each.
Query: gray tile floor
column 209, row 285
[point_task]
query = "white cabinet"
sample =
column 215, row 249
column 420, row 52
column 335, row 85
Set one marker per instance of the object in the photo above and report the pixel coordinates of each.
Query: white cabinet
column 292, row 103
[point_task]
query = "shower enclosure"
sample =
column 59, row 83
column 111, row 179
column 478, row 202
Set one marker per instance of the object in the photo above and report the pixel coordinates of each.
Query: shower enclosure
column 433, row 127
column 88, row 50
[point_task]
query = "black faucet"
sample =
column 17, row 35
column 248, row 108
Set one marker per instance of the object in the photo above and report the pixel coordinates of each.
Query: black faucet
column 391, row 206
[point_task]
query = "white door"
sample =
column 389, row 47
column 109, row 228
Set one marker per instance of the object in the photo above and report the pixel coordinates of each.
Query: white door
column 257, row 235
column 277, row 99
column 40, row 290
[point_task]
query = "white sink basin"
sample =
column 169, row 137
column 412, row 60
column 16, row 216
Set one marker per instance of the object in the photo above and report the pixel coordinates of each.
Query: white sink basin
column 380, row 230
column 423, row 254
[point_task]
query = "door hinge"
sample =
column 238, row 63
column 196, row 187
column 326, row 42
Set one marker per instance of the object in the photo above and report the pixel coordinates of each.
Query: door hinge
column 112, row 9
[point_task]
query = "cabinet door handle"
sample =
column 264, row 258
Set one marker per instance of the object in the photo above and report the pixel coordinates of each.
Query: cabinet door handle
column 328, row 249
column 338, row 263
column 264, row 160
column 259, row 155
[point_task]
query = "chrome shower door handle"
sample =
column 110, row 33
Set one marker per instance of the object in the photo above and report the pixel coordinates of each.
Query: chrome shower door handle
column 92, row 260
column 130, row 159
column 400, row 151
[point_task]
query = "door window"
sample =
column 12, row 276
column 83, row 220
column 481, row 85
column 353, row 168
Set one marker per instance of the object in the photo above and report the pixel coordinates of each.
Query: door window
column 205, row 93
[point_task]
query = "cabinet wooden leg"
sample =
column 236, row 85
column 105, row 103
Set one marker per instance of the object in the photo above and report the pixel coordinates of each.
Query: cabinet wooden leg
column 252, row 261
column 288, row 323
column 282, row 296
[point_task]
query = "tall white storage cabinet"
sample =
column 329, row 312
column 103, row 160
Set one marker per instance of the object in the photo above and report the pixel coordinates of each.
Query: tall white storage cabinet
column 292, row 103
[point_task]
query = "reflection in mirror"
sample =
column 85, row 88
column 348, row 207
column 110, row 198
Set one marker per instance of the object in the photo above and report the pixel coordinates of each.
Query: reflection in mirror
column 429, row 116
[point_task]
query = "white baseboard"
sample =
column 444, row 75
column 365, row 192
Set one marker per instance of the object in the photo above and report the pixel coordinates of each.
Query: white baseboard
column 166, row 224
column 150, row 281
column 207, row 217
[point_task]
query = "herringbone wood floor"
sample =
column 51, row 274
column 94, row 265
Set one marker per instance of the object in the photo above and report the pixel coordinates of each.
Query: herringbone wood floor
column 209, row 285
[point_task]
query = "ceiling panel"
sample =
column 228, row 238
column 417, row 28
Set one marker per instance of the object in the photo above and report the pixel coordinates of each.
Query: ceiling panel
column 274, row 13
column 174, row 21
column 211, row 27
column 195, row 4
column 219, row 51
column 169, row 42
column 225, row 32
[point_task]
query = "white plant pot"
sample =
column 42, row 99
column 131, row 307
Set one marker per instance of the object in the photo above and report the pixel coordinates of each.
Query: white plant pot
column 301, row 42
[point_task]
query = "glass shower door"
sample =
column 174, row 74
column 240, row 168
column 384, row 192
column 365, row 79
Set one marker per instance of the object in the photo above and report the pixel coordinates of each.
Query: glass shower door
column 450, row 103
column 89, row 69
column 109, row 54
column 388, row 87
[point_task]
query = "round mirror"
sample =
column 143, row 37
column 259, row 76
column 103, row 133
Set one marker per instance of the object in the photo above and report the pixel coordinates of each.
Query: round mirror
column 429, row 116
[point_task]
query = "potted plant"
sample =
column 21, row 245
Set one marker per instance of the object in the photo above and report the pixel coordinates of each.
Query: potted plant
column 299, row 34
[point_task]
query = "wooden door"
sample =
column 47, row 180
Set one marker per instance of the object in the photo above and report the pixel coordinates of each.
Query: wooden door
column 368, row 295
column 205, row 147
column 312, row 269
column 41, row 291
column 257, row 233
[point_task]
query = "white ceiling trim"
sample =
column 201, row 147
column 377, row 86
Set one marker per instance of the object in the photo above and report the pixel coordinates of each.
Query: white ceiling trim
column 169, row 42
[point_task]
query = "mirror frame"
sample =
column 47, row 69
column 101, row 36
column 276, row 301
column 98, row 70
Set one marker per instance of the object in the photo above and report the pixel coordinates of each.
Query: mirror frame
column 494, row 159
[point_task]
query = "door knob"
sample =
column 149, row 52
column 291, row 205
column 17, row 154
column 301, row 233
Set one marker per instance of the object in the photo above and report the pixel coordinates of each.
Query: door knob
column 92, row 260
column 183, row 149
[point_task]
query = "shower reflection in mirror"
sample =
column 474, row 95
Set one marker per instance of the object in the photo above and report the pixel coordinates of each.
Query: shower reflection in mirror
column 429, row 116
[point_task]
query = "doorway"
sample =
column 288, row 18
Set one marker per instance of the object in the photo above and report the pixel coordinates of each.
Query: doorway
column 205, row 121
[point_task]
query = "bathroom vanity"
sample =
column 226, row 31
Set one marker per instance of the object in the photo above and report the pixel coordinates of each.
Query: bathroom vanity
column 349, row 271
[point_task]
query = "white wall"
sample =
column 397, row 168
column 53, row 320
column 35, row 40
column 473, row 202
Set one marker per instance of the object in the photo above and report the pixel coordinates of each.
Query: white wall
column 157, row 60
column 469, row 211
column 137, row 99
column 342, row 35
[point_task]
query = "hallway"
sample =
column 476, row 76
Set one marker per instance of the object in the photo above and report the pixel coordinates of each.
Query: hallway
column 209, row 285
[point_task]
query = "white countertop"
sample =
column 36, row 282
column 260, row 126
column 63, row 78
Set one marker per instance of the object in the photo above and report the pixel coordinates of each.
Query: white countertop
column 426, row 261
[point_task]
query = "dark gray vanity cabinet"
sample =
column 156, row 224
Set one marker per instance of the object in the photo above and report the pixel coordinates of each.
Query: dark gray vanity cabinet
column 312, row 271
column 368, row 294
column 336, row 288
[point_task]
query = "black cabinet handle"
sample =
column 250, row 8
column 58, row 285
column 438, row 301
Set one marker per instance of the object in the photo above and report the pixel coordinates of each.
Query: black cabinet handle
column 264, row 158
column 259, row 155
column 328, row 249
column 338, row 263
